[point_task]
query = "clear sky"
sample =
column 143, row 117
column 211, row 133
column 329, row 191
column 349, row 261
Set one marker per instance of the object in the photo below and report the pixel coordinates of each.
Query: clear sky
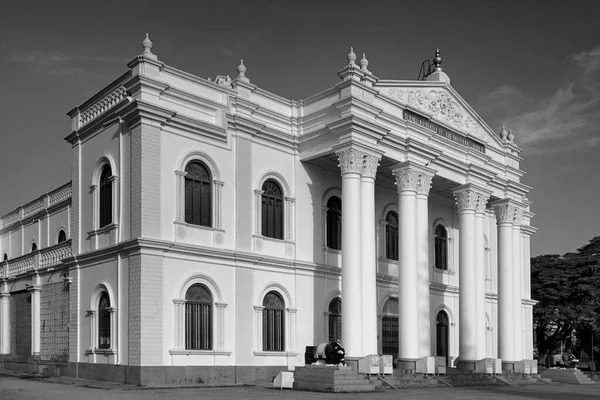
column 531, row 65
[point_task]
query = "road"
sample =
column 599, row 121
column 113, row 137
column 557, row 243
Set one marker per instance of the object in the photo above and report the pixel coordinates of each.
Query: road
column 14, row 388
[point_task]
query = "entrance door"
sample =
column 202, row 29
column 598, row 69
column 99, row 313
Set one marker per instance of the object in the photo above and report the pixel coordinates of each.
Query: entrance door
column 441, row 334
column 389, row 328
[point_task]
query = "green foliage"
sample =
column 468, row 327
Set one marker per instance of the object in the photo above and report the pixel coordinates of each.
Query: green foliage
column 567, row 289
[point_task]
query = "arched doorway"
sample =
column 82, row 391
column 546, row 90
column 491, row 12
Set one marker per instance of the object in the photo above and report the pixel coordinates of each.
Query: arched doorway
column 389, row 327
column 441, row 334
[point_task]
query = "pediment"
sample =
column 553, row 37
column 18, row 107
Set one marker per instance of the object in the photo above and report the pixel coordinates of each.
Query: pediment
column 446, row 107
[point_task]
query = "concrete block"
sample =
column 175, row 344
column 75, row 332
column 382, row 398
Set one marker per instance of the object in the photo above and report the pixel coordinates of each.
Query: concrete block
column 285, row 379
column 386, row 364
column 426, row 365
column 369, row 364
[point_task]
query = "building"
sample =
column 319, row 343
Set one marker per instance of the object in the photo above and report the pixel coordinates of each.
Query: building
column 211, row 230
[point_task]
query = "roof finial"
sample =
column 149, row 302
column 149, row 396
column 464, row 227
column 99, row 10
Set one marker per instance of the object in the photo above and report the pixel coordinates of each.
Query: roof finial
column 503, row 133
column 364, row 63
column 147, row 45
column 351, row 56
column 511, row 137
column 241, row 69
column 437, row 60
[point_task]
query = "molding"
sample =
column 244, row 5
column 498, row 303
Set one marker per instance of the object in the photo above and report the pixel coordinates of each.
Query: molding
column 189, row 352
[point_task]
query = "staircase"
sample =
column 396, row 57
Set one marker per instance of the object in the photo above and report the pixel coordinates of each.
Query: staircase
column 325, row 378
column 407, row 381
column 571, row 376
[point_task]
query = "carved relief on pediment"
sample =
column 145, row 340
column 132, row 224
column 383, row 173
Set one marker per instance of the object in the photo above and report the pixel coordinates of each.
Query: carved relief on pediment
column 440, row 105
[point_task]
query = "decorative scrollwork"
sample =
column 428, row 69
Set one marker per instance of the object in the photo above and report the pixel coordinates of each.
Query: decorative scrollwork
column 406, row 179
column 351, row 160
column 371, row 163
column 441, row 105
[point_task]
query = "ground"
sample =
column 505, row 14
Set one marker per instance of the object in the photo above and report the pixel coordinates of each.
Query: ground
column 17, row 388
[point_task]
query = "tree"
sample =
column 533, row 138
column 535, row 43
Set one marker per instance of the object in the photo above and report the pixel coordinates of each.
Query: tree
column 567, row 289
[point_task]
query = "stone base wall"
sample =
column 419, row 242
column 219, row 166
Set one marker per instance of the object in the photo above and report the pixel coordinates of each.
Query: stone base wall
column 173, row 375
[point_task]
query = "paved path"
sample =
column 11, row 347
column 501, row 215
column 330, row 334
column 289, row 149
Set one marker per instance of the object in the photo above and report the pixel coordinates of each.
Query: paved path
column 15, row 388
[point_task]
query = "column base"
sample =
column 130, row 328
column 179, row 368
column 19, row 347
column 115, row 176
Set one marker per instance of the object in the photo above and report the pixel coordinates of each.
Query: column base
column 431, row 365
column 406, row 365
column 488, row 366
column 465, row 365
column 525, row 367
column 508, row 366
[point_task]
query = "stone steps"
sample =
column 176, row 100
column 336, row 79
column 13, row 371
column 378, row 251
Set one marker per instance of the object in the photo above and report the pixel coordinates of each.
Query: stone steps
column 337, row 379
column 569, row 375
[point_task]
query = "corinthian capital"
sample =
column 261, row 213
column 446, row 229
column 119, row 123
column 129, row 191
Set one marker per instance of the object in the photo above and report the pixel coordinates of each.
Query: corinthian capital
column 370, row 165
column 508, row 212
column 424, row 183
column 351, row 160
column 406, row 179
column 470, row 197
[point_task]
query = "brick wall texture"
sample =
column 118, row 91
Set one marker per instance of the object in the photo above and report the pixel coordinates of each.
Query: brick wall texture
column 145, row 181
column 74, row 316
column 75, row 201
column 145, row 310
column 54, row 322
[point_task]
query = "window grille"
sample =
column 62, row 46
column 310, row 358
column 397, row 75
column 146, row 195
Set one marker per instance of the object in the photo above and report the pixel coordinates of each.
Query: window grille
column 273, row 323
column 198, row 194
column 391, row 236
column 105, row 217
column 335, row 319
column 441, row 248
column 389, row 327
column 198, row 318
column 334, row 223
column 272, row 210
column 104, row 322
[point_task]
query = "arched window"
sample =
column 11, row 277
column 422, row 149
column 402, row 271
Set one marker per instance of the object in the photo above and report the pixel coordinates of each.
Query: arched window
column 441, row 248
column 33, row 247
column 389, row 327
column 273, row 322
column 104, row 322
column 198, row 194
column 335, row 319
column 5, row 256
column 391, row 235
column 441, row 331
column 272, row 210
column 105, row 197
column 62, row 236
column 334, row 223
column 198, row 318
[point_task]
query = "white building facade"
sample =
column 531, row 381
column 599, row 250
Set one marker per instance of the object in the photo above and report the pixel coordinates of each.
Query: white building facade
column 212, row 230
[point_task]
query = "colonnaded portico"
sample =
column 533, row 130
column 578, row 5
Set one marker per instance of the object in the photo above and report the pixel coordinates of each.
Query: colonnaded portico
column 358, row 165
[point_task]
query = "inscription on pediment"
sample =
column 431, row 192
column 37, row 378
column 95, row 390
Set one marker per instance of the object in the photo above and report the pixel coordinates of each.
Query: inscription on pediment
column 440, row 105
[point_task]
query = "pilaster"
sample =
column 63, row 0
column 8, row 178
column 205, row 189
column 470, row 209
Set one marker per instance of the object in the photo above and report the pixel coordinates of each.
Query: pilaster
column 4, row 320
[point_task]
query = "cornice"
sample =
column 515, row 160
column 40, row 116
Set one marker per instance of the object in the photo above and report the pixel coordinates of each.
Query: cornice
column 99, row 95
column 254, row 128
column 354, row 125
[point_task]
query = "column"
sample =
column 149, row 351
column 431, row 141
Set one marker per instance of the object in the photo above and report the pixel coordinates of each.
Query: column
column 407, row 178
column 35, row 317
column 258, row 211
column 258, row 328
column 468, row 197
column 423, row 237
column 179, row 323
column 526, row 232
column 369, row 254
column 505, row 211
column 218, row 185
column 180, row 206
column 517, row 288
column 114, row 328
column 351, row 165
column 4, row 320
column 480, row 276
column 220, row 326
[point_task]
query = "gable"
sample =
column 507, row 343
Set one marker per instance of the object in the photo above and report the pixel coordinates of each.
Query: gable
column 446, row 107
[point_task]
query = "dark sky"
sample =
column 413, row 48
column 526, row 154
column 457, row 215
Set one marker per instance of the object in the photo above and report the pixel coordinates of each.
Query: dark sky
column 531, row 65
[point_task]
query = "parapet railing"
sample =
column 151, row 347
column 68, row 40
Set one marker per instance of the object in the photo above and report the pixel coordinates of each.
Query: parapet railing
column 44, row 258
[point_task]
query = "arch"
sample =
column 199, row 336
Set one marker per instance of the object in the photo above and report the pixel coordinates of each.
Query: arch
column 330, row 296
column 61, row 235
column 334, row 223
column 198, row 155
column 199, row 304
column 387, row 209
column 5, row 258
column 277, row 177
column 384, row 298
column 333, row 191
column 334, row 319
column 440, row 249
column 274, row 287
column 199, row 278
column 33, row 246
column 102, row 161
column 444, row 223
column 447, row 310
column 198, row 193
column 98, row 290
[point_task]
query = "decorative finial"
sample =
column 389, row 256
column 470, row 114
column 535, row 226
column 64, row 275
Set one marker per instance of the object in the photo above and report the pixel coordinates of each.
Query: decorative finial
column 437, row 60
column 511, row 137
column 242, row 72
column 351, row 56
column 364, row 63
column 503, row 133
column 147, row 45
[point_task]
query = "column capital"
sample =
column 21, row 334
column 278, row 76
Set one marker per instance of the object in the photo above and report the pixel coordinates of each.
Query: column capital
column 181, row 173
column 508, row 211
column 351, row 160
column 471, row 197
column 528, row 230
column 220, row 306
column 413, row 177
column 371, row 162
